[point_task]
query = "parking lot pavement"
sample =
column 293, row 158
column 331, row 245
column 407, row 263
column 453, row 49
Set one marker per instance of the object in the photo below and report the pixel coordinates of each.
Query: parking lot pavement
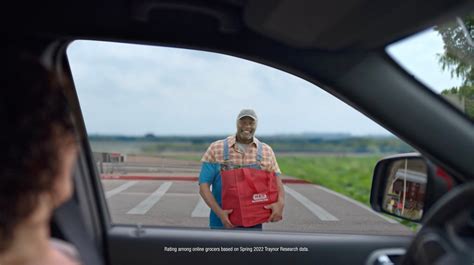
column 176, row 202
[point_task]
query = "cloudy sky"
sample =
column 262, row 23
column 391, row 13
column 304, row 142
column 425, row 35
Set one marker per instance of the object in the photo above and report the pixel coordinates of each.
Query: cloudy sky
column 134, row 89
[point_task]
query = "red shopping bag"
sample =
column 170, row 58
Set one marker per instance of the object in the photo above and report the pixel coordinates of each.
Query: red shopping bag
column 246, row 191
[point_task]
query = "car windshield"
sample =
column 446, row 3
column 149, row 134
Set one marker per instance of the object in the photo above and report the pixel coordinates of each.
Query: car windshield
column 442, row 57
column 156, row 119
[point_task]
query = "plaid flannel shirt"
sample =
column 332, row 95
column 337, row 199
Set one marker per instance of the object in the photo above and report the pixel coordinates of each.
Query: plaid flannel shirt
column 215, row 154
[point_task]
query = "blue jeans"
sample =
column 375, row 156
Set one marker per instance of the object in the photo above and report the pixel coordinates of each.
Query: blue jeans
column 258, row 227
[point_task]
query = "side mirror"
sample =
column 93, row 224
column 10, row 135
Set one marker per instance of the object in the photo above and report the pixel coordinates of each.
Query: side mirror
column 406, row 185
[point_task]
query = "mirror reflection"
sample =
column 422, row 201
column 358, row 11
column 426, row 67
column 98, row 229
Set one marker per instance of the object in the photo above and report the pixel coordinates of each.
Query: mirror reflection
column 405, row 190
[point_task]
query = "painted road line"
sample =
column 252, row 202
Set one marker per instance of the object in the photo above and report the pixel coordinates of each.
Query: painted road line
column 317, row 210
column 390, row 220
column 201, row 209
column 162, row 178
column 119, row 189
column 144, row 206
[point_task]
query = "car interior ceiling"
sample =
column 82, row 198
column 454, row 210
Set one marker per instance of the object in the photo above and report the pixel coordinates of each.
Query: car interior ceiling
column 343, row 38
column 334, row 25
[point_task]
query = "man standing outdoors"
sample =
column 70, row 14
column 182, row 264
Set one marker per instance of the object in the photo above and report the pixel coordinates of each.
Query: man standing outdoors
column 237, row 151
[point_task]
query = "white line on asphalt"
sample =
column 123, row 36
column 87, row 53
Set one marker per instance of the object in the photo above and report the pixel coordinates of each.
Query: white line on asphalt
column 144, row 206
column 119, row 189
column 317, row 210
column 357, row 203
column 201, row 209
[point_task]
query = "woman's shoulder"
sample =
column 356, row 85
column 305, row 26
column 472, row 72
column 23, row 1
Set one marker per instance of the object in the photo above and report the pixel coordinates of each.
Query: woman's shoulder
column 67, row 252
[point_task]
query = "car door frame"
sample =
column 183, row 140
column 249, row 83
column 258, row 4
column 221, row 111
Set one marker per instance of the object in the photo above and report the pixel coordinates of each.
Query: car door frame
column 113, row 239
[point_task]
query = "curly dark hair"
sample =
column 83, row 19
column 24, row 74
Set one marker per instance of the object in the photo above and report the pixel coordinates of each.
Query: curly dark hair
column 36, row 121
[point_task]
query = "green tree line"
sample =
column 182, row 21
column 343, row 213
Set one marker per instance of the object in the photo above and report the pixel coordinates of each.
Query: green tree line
column 458, row 59
column 362, row 145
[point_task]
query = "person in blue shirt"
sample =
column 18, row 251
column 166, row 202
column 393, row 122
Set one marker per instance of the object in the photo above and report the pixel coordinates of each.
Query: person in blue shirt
column 241, row 150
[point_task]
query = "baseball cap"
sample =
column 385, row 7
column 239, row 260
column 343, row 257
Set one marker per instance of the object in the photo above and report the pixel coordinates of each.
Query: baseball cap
column 247, row 113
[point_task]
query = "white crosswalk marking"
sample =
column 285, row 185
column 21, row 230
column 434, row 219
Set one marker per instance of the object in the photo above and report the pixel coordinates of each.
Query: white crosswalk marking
column 201, row 209
column 119, row 189
column 317, row 210
column 392, row 221
column 144, row 206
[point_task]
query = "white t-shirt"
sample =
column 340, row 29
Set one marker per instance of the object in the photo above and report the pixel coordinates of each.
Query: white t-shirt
column 242, row 147
column 67, row 249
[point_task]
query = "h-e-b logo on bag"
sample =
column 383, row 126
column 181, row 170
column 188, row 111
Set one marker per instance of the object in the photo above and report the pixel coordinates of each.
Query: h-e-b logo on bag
column 259, row 197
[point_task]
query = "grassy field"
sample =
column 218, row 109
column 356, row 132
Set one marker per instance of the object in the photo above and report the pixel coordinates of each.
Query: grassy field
column 349, row 175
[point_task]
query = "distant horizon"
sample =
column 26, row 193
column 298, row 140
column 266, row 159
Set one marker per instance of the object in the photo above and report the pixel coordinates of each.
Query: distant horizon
column 307, row 134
